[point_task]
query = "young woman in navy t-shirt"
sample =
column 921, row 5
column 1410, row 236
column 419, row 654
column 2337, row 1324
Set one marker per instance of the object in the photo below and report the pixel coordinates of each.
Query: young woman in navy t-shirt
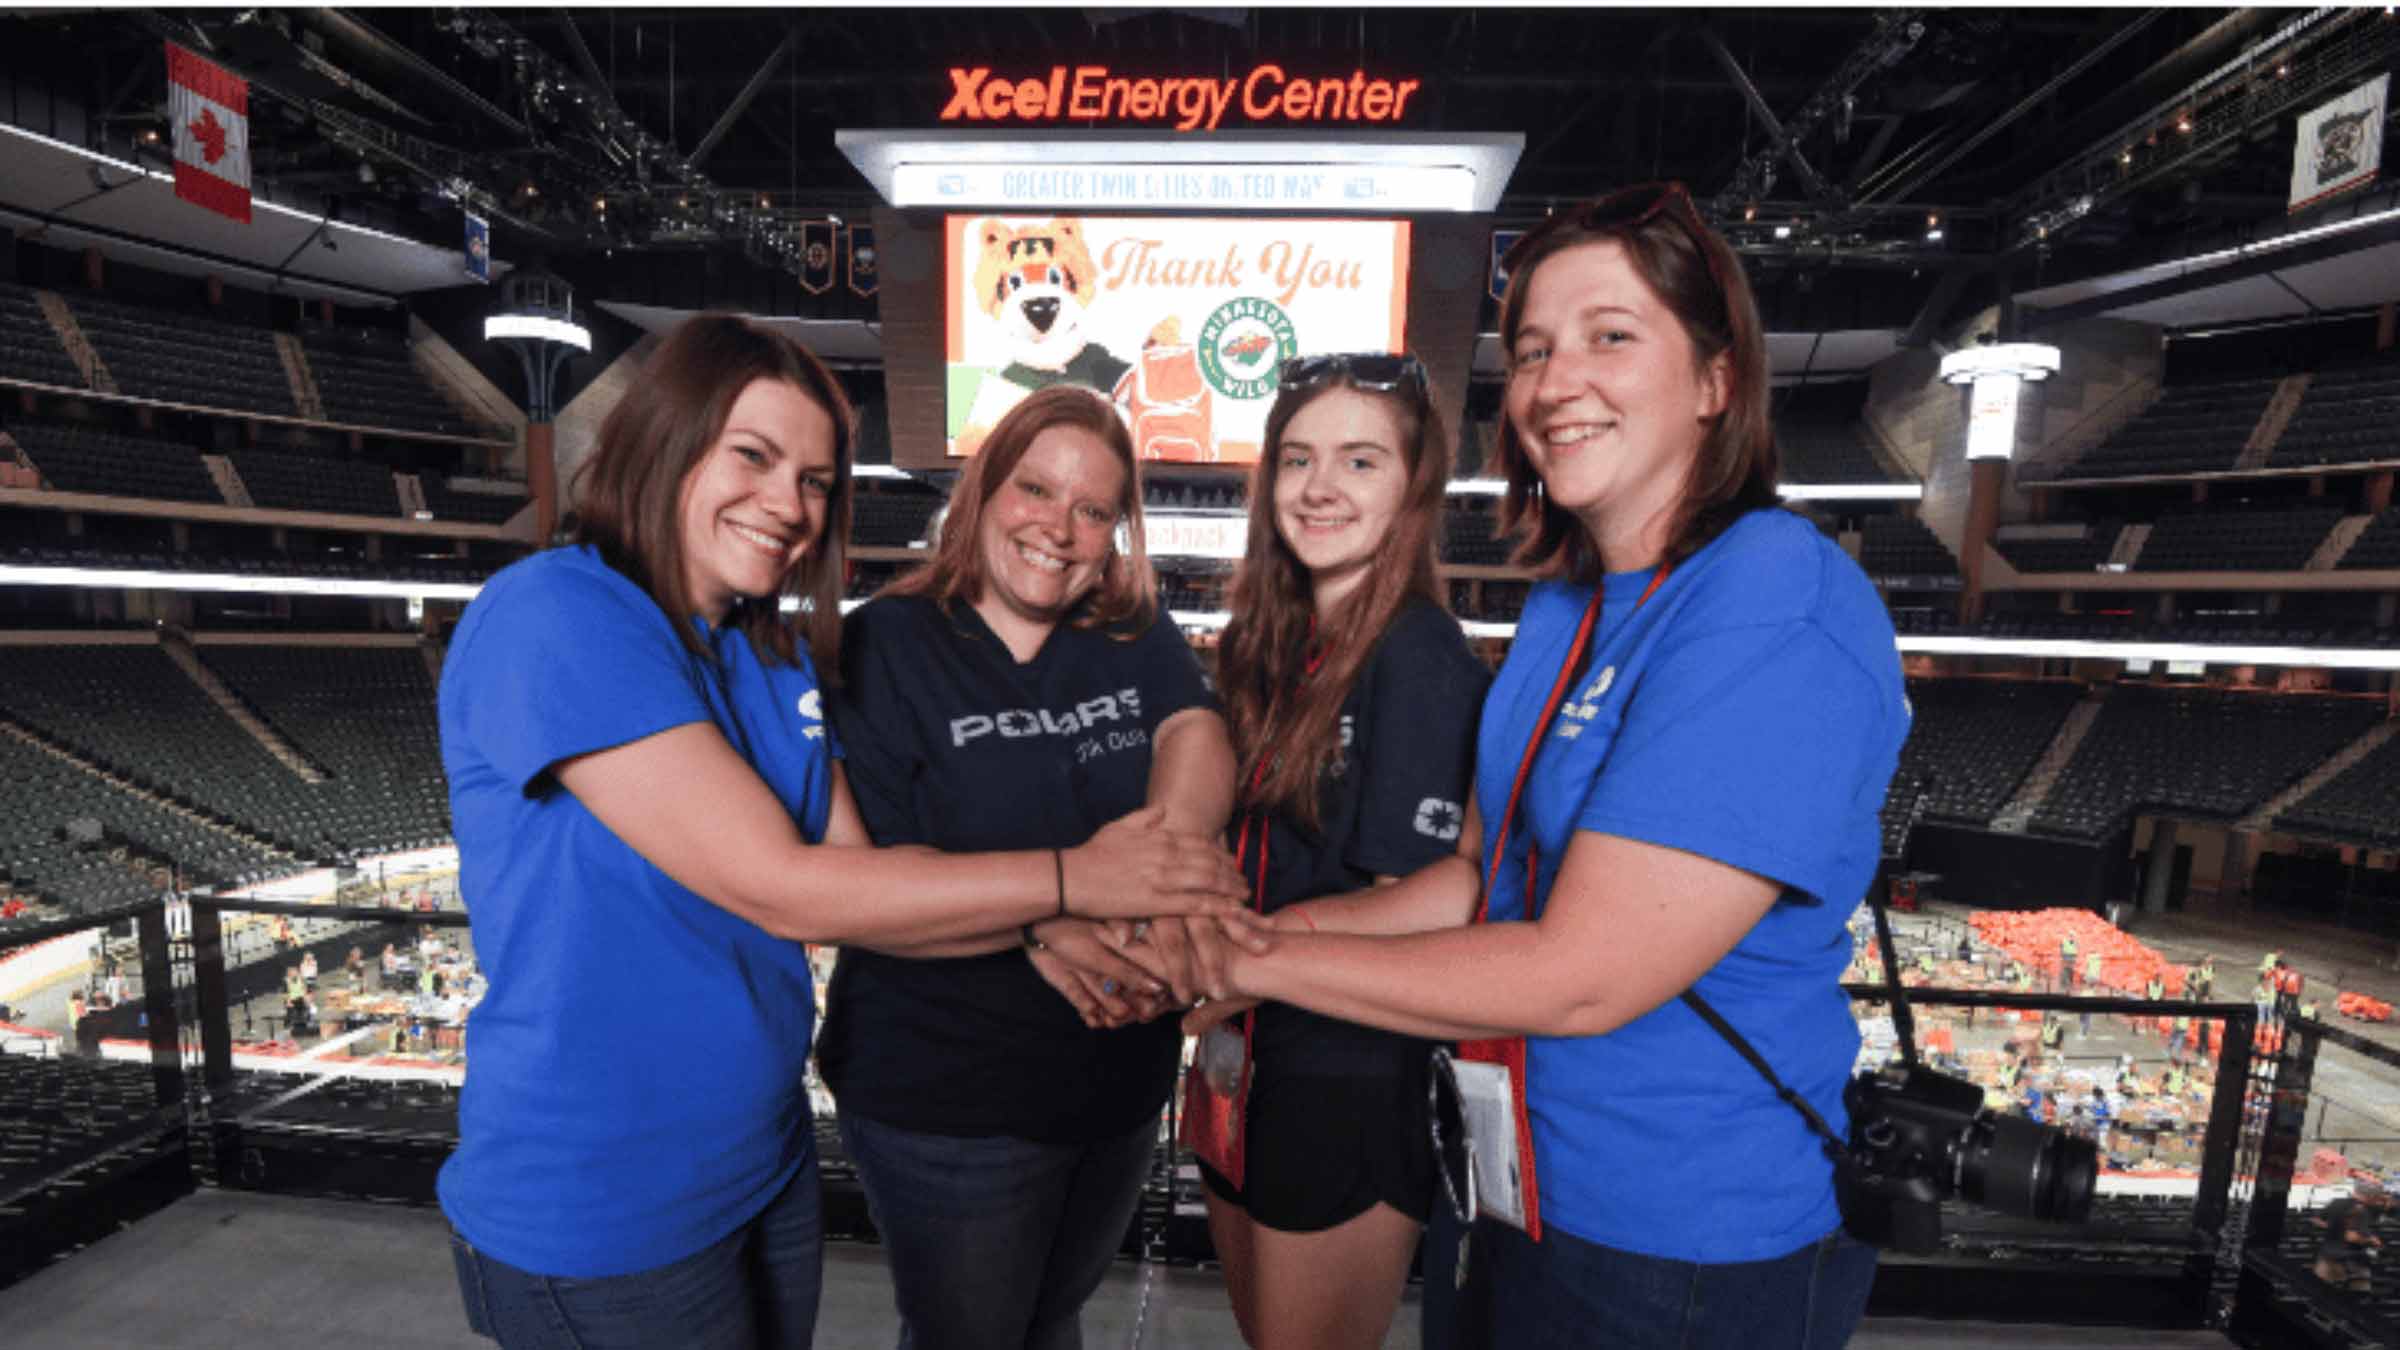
column 649, row 808
column 1353, row 699
column 1678, row 776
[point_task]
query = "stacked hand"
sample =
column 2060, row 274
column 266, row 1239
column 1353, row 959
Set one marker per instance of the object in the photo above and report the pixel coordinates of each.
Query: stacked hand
column 1137, row 868
column 1166, row 911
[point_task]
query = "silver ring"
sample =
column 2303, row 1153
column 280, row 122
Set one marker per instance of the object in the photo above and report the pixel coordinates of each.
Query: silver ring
column 1141, row 929
column 1108, row 986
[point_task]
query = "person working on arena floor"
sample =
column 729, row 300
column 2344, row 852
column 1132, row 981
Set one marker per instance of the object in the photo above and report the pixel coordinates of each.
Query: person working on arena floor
column 1679, row 772
column 610, row 1184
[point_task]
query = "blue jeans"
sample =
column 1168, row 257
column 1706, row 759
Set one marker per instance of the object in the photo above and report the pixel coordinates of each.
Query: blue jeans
column 755, row 1288
column 995, row 1243
column 1567, row 1294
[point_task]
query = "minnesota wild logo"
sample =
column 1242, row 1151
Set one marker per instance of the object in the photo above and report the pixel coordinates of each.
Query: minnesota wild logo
column 1243, row 346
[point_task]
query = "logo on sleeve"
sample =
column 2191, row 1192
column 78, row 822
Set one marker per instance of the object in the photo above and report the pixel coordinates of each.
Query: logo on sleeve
column 812, row 711
column 1573, row 715
column 1438, row 819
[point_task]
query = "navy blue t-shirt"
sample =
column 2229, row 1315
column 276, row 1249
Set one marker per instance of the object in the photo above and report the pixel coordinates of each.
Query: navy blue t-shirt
column 952, row 743
column 634, row 1088
column 1392, row 801
column 1750, row 713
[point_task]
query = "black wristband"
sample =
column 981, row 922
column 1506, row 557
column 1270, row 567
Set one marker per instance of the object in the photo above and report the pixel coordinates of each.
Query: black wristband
column 1033, row 942
column 1058, row 859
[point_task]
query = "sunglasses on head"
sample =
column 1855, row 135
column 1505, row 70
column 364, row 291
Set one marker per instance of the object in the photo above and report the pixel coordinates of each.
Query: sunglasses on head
column 1381, row 372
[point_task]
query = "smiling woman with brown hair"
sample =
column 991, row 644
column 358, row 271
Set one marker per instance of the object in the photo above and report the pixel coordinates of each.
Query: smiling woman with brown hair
column 1000, row 1095
column 646, row 796
column 1678, row 777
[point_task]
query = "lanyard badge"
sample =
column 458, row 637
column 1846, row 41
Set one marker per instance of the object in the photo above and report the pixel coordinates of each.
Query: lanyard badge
column 1489, row 1076
column 1216, row 1092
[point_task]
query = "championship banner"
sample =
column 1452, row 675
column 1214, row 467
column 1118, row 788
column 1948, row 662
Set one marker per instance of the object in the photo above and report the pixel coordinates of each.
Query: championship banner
column 1502, row 242
column 2340, row 145
column 816, row 256
column 479, row 248
column 860, row 256
column 1184, row 323
column 210, row 108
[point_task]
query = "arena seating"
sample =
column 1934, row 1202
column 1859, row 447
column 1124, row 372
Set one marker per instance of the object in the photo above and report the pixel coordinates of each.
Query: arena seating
column 2206, row 753
column 1178, row 494
column 2350, row 414
column 297, row 482
column 55, row 1113
column 366, row 716
column 2236, row 539
column 480, row 508
column 132, row 711
column 1471, row 538
column 1971, row 742
column 1825, row 452
column 2360, row 803
column 2379, row 545
column 181, row 357
column 75, row 458
column 40, row 793
column 366, row 378
column 1903, row 546
column 29, row 347
column 2196, row 428
column 891, row 519
column 2082, row 553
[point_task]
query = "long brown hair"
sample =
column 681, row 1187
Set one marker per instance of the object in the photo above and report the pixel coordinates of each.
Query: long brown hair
column 1128, row 591
column 1289, row 724
column 630, row 492
column 1699, row 278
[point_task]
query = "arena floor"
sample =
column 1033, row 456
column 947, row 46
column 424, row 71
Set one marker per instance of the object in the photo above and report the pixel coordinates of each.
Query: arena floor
column 225, row 1269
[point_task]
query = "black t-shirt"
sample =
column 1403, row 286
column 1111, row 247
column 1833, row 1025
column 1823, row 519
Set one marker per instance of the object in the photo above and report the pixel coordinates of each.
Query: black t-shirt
column 952, row 743
column 1392, row 802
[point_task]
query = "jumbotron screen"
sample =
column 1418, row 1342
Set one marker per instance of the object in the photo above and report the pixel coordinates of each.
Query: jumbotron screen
column 1184, row 323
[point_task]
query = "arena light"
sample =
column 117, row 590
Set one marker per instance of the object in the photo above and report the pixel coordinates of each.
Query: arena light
column 141, row 579
column 1996, row 373
column 2207, row 653
column 538, row 329
column 1851, row 492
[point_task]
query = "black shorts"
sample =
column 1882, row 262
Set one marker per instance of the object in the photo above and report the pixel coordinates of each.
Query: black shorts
column 1324, row 1149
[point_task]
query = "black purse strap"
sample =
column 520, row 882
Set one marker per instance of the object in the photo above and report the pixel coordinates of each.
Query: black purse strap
column 1834, row 1147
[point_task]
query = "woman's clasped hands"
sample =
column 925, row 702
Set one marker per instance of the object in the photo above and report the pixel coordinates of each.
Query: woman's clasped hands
column 1153, row 917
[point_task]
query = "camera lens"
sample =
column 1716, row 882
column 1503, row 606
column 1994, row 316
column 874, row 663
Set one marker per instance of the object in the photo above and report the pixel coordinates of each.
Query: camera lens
column 2021, row 1167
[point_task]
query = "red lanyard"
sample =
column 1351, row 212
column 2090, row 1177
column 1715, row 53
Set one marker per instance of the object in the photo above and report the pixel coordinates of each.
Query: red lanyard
column 1533, row 743
column 1258, row 775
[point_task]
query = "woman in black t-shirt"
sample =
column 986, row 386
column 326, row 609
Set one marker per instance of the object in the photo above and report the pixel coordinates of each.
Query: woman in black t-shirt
column 1354, row 701
column 1020, row 690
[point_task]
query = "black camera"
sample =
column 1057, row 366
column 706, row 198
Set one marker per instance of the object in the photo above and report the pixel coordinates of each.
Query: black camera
column 1918, row 1137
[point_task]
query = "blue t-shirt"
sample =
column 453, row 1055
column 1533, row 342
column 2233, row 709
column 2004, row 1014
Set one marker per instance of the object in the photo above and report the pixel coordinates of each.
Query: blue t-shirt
column 1751, row 712
column 635, row 1086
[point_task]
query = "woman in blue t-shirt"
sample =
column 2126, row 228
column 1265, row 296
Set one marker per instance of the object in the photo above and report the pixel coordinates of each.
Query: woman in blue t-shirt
column 1353, row 700
column 1000, row 1095
column 1678, row 775
column 649, row 810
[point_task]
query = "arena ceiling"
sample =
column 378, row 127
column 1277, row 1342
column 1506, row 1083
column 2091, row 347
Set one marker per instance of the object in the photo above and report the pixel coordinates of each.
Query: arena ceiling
column 2044, row 145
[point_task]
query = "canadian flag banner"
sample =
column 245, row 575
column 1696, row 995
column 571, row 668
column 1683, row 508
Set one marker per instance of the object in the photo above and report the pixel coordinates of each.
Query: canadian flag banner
column 210, row 107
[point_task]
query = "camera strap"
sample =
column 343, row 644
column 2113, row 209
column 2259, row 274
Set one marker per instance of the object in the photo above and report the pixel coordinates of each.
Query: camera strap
column 1834, row 1147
